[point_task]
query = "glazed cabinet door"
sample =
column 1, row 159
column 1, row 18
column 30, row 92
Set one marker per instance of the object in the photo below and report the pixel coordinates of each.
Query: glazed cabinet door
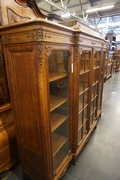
column 59, row 77
column 95, row 86
column 101, row 81
column 84, row 80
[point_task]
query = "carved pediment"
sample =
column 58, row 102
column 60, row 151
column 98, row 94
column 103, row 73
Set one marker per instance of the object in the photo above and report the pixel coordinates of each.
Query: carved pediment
column 12, row 11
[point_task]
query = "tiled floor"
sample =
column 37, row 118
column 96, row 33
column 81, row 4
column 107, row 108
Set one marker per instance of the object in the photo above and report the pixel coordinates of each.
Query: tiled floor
column 100, row 158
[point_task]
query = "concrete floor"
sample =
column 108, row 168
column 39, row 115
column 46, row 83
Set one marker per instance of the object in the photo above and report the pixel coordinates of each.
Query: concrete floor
column 100, row 158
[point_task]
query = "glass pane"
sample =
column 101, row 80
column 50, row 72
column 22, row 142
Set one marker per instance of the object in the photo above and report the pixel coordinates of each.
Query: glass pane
column 80, row 117
column 59, row 104
column 79, row 135
column 86, row 82
column 81, row 87
column 97, row 59
column 81, row 102
column 85, row 98
column 85, row 61
column 84, row 128
column 83, row 94
column 85, row 114
column 99, row 95
column 91, row 119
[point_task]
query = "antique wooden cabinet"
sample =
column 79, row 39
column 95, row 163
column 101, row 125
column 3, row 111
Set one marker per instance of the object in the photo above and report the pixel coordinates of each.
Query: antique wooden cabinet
column 89, row 59
column 55, row 75
column 8, row 144
column 39, row 64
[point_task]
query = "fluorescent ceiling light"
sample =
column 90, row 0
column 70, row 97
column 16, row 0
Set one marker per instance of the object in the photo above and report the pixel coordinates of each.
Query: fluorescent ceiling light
column 99, row 9
column 63, row 9
column 65, row 15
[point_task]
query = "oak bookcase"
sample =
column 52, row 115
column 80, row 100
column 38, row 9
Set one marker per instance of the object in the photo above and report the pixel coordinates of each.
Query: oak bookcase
column 55, row 75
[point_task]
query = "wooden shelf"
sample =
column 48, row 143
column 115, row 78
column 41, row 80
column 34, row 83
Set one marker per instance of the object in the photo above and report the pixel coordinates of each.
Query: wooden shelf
column 57, row 142
column 57, row 160
column 5, row 107
column 84, row 71
column 96, row 67
column 81, row 91
column 56, row 76
column 56, row 120
column 56, row 101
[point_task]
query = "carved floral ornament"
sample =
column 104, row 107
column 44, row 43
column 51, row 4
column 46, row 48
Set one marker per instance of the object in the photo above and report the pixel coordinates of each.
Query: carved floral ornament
column 48, row 50
column 40, row 49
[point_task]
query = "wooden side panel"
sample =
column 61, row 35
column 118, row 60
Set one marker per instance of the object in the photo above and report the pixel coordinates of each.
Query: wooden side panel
column 23, row 78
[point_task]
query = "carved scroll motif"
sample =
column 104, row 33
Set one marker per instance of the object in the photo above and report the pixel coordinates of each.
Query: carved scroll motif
column 40, row 50
column 47, row 35
column 30, row 36
column 40, row 35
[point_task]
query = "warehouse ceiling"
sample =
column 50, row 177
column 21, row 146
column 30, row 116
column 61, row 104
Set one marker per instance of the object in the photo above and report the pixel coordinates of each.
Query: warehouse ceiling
column 104, row 20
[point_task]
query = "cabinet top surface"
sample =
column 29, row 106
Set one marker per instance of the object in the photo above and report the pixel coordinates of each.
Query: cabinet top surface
column 38, row 22
column 71, row 26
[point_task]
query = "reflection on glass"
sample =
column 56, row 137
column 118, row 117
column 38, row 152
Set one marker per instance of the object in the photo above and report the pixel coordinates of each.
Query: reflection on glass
column 59, row 104
column 84, row 79
column 85, row 61
column 97, row 59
